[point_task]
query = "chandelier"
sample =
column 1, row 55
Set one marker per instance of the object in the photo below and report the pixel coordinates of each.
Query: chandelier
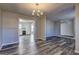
column 37, row 11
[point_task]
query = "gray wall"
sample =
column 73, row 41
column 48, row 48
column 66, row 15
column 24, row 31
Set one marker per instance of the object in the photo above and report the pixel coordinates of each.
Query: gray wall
column 67, row 28
column 52, row 28
column 10, row 28
column 9, row 23
column 49, row 28
column 57, row 28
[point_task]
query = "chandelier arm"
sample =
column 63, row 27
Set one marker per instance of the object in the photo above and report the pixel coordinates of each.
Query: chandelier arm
column 37, row 11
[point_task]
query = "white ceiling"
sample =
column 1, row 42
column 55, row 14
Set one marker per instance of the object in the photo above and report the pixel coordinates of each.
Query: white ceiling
column 53, row 11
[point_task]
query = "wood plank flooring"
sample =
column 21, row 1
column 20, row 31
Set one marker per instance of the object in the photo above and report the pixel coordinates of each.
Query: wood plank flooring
column 40, row 47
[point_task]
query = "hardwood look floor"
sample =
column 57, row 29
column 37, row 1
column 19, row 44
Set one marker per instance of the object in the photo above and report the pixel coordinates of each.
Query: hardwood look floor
column 29, row 46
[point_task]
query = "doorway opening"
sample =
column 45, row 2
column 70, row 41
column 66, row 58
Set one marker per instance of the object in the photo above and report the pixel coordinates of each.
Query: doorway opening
column 26, row 34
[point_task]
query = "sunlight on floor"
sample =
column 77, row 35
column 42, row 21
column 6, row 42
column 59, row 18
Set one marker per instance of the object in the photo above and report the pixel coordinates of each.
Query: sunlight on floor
column 27, row 43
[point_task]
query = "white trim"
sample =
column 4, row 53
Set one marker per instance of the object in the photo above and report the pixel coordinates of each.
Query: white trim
column 76, row 51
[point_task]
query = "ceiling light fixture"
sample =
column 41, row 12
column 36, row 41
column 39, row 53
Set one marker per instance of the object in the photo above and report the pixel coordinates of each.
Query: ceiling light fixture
column 37, row 11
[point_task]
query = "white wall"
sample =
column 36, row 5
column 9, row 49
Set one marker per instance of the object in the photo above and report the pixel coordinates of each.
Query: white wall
column 0, row 29
column 43, row 27
column 67, row 28
column 77, row 28
column 25, row 26
column 28, row 28
column 40, row 28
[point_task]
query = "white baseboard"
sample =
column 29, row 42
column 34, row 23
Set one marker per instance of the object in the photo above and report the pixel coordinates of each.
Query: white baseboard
column 76, row 51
